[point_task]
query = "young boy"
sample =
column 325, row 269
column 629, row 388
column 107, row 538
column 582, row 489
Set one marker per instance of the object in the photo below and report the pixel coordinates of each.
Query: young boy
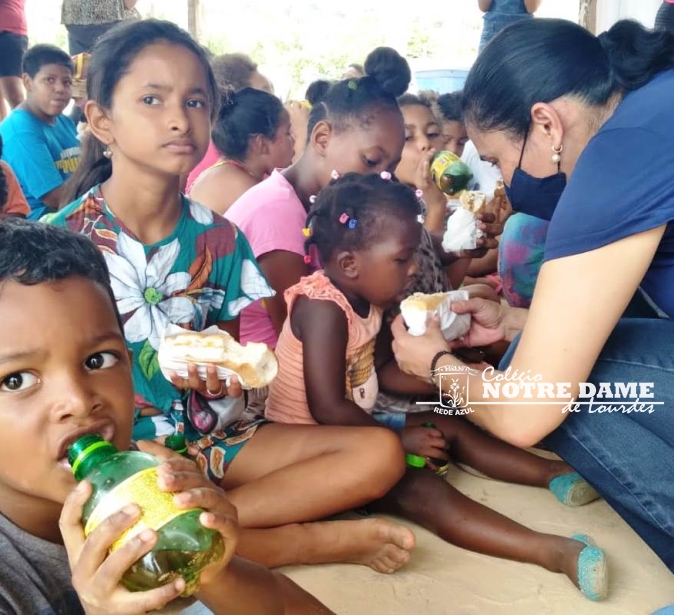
column 453, row 127
column 40, row 143
column 64, row 372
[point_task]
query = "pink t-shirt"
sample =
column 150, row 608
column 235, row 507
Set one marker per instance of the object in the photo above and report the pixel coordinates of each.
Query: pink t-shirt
column 271, row 217
column 210, row 158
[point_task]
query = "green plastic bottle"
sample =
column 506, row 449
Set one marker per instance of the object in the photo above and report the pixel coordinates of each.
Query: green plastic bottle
column 415, row 461
column 177, row 443
column 450, row 173
column 184, row 546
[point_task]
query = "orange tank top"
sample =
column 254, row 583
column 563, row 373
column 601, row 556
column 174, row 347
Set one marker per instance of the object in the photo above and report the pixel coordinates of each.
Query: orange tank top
column 287, row 401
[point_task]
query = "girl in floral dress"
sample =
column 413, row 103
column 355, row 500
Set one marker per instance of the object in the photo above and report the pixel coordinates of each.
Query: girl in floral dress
column 151, row 97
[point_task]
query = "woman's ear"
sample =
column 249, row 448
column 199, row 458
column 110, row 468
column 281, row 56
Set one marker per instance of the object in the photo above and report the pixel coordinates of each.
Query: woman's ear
column 99, row 122
column 546, row 119
column 347, row 263
column 320, row 137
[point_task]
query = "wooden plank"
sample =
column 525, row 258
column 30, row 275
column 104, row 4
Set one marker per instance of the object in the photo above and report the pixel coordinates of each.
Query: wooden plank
column 194, row 18
column 588, row 15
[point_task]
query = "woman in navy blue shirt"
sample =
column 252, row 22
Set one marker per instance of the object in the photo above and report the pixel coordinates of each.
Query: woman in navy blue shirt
column 501, row 13
column 582, row 129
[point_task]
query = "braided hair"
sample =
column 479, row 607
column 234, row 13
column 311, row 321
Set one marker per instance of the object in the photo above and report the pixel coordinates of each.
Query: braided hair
column 353, row 211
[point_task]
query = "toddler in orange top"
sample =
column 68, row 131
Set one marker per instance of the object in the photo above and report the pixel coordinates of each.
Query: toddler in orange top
column 332, row 358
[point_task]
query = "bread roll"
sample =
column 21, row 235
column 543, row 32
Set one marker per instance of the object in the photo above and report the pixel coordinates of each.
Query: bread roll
column 473, row 201
column 255, row 363
column 423, row 302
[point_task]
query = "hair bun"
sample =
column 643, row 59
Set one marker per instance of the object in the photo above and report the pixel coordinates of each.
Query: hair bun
column 389, row 69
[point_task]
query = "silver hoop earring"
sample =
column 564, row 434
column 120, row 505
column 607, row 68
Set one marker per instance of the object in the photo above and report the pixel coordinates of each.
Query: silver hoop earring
column 557, row 154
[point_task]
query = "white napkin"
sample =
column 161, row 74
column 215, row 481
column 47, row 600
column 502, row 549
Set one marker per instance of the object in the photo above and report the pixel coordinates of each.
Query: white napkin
column 462, row 232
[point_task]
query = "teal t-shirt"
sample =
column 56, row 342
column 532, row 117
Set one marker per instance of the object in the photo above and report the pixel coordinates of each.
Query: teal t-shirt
column 43, row 156
column 201, row 274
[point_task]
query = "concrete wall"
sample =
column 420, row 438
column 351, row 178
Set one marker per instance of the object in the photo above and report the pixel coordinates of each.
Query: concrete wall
column 610, row 11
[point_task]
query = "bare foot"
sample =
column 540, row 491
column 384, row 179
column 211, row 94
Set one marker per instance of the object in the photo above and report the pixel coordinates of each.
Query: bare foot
column 377, row 543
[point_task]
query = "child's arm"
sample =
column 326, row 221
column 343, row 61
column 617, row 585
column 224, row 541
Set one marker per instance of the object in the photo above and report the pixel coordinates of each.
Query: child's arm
column 322, row 328
column 283, row 269
column 485, row 265
column 391, row 378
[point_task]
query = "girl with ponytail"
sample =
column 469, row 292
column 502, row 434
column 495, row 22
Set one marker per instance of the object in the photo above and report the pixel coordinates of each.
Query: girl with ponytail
column 582, row 129
column 253, row 137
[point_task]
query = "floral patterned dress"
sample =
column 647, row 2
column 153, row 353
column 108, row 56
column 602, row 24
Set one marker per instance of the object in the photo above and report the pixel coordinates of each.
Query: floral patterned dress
column 201, row 274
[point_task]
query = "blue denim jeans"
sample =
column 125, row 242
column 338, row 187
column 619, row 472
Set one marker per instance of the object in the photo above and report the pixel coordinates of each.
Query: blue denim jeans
column 629, row 458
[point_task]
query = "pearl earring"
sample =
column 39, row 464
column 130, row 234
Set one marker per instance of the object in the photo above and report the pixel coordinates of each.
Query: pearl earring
column 556, row 156
column 107, row 152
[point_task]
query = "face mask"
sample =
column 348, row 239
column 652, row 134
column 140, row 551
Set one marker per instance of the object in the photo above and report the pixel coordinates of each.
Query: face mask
column 535, row 196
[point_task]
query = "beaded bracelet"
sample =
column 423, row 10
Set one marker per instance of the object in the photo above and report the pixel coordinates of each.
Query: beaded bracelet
column 434, row 363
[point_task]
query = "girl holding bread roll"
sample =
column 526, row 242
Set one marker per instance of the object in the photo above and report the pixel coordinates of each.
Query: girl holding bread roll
column 174, row 262
column 332, row 363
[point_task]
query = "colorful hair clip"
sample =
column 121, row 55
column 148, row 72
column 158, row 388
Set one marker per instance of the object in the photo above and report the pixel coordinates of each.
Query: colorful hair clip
column 385, row 175
column 334, row 174
column 306, row 231
column 307, row 259
column 312, row 199
column 352, row 85
column 344, row 218
column 352, row 223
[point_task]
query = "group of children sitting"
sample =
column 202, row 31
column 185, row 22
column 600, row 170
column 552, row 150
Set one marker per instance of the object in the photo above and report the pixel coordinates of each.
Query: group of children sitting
column 312, row 260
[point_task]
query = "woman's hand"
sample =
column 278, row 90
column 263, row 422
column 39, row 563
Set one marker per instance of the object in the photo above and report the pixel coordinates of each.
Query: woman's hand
column 96, row 575
column 415, row 354
column 212, row 387
column 486, row 321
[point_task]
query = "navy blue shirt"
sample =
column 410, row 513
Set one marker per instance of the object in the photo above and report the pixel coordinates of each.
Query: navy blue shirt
column 623, row 184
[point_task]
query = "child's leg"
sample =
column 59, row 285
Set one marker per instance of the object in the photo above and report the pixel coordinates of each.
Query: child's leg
column 432, row 502
column 294, row 473
column 377, row 543
column 497, row 459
